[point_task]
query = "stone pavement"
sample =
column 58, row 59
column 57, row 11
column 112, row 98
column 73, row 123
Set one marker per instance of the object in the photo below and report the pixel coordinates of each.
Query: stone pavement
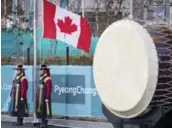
column 7, row 121
column 10, row 125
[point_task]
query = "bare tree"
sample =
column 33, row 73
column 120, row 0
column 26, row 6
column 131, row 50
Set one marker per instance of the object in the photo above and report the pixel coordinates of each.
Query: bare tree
column 6, row 7
column 17, row 23
column 104, row 12
column 100, row 13
column 75, row 6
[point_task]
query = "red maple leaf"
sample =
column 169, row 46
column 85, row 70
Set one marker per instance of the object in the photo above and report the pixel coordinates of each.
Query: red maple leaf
column 66, row 26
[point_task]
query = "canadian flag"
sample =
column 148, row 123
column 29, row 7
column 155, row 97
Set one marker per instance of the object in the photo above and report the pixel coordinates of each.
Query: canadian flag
column 66, row 26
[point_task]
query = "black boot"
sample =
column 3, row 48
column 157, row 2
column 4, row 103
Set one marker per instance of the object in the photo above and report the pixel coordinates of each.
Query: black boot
column 44, row 123
column 19, row 122
column 14, row 124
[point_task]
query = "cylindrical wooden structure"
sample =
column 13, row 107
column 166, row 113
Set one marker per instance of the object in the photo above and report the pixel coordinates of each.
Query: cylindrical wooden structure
column 162, row 37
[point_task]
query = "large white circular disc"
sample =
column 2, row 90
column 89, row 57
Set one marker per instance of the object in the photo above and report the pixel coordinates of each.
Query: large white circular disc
column 125, row 68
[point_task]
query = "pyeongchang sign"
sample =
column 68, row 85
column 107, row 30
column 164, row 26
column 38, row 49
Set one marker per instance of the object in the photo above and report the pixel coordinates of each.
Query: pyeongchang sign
column 70, row 89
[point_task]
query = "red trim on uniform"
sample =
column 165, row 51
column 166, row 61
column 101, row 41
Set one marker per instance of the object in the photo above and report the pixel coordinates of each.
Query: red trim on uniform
column 24, row 88
column 48, row 85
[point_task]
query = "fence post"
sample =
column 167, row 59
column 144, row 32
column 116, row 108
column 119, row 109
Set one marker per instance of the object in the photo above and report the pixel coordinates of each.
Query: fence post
column 28, row 56
column 67, row 55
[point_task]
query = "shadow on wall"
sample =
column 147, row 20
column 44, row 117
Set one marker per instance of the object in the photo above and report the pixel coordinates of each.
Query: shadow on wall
column 10, row 46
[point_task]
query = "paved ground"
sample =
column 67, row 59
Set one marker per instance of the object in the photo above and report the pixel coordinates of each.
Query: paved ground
column 6, row 122
column 10, row 125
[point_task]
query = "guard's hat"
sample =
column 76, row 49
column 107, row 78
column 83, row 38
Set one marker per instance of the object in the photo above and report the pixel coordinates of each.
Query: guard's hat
column 19, row 67
column 44, row 67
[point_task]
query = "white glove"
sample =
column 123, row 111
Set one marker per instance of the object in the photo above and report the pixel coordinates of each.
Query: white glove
column 46, row 100
column 22, row 99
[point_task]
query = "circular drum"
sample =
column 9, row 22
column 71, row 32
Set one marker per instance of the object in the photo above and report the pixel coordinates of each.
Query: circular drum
column 132, row 68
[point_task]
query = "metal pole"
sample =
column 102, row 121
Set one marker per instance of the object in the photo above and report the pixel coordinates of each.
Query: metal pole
column 67, row 62
column 83, row 14
column 170, row 12
column 165, row 4
column 28, row 56
column 5, row 7
column 35, row 61
column 83, row 8
column 131, row 10
column 67, row 56
column 14, row 10
column 40, row 53
column 23, row 53
column 121, row 123
column 55, row 47
column 97, row 17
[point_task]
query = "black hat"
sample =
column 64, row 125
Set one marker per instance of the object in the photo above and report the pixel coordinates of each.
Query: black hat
column 44, row 67
column 19, row 67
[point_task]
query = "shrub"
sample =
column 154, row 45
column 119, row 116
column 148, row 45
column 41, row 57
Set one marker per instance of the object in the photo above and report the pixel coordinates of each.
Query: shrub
column 73, row 60
column 6, row 60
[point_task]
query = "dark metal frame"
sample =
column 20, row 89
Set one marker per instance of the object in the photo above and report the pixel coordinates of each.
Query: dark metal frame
column 146, row 121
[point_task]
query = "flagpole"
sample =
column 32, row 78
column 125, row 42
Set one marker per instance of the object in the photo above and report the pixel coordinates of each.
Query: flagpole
column 170, row 12
column 35, row 61
column 83, row 8
column 131, row 10
column 83, row 14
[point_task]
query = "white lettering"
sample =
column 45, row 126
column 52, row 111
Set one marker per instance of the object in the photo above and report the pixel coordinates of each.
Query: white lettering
column 57, row 88
column 74, row 90
column 6, row 87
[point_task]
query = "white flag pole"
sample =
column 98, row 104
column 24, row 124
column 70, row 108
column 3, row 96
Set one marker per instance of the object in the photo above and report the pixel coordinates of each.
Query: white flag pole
column 83, row 14
column 170, row 12
column 35, row 61
column 83, row 8
column 131, row 10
